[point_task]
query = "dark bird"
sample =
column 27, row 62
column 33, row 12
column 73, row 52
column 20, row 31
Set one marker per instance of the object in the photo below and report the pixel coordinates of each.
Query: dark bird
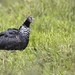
column 16, row 39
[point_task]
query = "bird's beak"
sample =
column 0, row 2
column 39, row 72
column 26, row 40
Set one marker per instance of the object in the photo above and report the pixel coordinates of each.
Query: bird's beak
column 32, row 20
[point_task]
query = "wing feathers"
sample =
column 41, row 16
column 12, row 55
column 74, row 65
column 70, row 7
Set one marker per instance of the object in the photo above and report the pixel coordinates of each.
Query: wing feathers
column 9, row 33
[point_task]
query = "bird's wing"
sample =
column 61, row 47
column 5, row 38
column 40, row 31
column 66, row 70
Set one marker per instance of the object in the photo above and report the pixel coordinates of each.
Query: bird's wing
column 9, row 39
column 9, row 43
column 10, row 33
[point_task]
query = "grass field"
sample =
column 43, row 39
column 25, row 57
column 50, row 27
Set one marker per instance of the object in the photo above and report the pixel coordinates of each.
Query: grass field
column 51, row 50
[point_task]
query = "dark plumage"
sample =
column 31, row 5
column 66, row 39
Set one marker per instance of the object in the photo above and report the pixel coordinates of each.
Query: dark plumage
column 16, row 39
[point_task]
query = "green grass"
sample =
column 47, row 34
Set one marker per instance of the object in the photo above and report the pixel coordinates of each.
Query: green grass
column 51, row 50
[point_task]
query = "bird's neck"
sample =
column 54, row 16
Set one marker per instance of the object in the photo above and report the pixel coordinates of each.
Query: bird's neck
column 26, row 23
column 24, row 32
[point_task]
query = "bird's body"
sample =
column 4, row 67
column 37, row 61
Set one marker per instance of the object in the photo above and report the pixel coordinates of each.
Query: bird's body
column 16, row 39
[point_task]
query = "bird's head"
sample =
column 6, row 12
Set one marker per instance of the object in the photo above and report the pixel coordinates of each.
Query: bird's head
column 30, row 19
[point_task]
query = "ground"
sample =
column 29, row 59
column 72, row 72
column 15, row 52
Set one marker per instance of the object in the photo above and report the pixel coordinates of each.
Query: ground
column 51, row 49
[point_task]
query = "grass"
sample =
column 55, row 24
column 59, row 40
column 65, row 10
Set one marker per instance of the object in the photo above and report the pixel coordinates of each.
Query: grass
column 51, row 48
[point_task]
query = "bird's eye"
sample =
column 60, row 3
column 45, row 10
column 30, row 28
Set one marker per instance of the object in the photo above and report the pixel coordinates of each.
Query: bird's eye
column 30, row 19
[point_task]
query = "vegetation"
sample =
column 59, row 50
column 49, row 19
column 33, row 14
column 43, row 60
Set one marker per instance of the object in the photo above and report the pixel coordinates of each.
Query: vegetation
column 51, row 47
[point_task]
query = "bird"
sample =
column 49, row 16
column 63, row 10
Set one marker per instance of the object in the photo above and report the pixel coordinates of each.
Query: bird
column 16, row 39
